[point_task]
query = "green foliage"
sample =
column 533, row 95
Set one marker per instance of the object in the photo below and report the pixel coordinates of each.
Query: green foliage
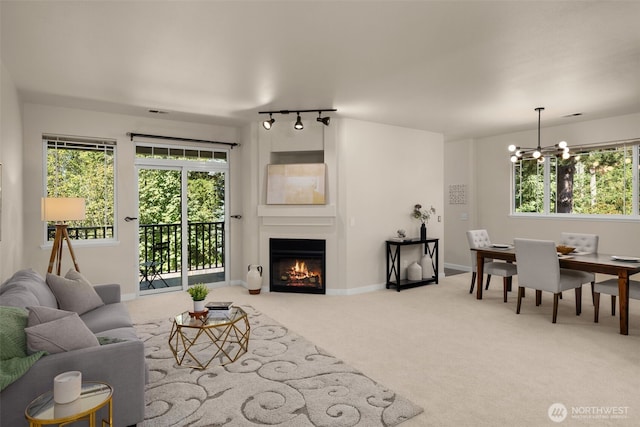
column 159, row 196
column 529, row 186
column 198, row 291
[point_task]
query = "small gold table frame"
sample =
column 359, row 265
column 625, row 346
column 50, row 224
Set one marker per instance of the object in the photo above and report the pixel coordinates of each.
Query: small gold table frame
column 197, row 341
column 94, row 396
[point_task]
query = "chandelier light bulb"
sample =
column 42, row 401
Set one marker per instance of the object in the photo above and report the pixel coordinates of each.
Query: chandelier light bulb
column 540, row 159
column 536, row 154
column 514, row 158
column 566, row 155
column 512, row 148
column 562, row 144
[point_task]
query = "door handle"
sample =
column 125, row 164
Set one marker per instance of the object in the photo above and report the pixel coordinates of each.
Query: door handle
column 130, row 218
column 236, row 216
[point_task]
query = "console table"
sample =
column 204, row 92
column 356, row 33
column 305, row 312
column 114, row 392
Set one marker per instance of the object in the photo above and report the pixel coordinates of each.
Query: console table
column 393, row 262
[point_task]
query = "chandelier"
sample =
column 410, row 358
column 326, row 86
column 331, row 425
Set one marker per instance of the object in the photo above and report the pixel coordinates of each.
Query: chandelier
column 539, row 153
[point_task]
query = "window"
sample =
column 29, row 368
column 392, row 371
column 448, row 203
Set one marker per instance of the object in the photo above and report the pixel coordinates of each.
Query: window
column 598, row 180
column 177, row 153
column 83, row 167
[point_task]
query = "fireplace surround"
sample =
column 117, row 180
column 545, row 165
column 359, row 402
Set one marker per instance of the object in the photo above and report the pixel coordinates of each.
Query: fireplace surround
column 297, row 265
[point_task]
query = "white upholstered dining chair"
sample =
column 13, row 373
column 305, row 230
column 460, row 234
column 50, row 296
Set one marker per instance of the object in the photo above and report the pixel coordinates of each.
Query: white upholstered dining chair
column 611, row 287
column 585, row 244
column 539, row 269
column 480, row 239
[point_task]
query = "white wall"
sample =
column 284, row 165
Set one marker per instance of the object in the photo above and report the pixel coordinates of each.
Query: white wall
column 11, row 244
column 116, row 263
column 383, row 172
column 493, row 186
column 460, row 170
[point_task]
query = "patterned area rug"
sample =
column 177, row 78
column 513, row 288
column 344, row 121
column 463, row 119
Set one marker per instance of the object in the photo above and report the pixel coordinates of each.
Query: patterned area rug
column 283, row 380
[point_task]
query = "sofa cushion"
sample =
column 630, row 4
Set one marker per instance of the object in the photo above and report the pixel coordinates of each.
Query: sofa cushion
column 25, row 288
column 64, row 334
column 74, row 292
column 117, row 335
column 109, row 316
column 39, row 314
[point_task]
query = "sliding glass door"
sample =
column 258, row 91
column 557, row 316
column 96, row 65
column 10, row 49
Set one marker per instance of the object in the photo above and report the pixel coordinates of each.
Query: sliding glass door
column 182, row 222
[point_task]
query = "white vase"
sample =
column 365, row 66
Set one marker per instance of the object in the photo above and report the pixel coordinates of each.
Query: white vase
column 67, row 387
column 254, row 279
column 198, row 306
column 414, row 271
column 427, row 267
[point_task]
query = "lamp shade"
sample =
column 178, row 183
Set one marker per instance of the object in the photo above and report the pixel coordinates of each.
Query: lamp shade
column 63, row 208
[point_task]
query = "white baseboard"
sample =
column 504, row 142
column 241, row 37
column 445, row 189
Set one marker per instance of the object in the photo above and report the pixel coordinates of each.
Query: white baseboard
column 457, row 267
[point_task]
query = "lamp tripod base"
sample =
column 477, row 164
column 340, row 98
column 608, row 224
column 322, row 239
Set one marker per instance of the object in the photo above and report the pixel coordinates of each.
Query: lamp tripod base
column 56, row 251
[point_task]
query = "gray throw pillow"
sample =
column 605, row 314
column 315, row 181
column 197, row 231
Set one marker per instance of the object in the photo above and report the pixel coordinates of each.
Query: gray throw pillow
column 39, row 314
column 74, row 292
column 60, row 335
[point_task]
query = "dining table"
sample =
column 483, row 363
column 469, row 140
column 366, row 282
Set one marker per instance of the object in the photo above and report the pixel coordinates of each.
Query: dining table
column 620, row 266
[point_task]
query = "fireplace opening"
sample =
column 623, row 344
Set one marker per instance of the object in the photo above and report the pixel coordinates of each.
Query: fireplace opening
column 297, row 265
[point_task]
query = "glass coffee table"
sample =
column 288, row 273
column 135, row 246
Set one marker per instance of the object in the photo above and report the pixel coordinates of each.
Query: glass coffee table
column 196, row 341
column 93, row 396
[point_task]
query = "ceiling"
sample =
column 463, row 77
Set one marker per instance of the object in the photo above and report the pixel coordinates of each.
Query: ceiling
column 462, row 68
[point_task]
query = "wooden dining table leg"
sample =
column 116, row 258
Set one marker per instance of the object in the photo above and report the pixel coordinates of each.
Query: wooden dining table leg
column 623, row 293
column 480, row 264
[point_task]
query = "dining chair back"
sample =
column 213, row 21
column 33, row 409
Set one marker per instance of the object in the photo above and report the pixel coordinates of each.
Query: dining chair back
column 586, row 244
column 539, row 269
column 480, row 239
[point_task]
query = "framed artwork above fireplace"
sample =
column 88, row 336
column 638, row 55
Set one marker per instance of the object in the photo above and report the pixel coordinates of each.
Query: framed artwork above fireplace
column 296, row 184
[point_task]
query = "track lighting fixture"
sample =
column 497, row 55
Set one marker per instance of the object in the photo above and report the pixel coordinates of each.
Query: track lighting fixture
column 267, row 124
column 323, row 120
column 539, row 153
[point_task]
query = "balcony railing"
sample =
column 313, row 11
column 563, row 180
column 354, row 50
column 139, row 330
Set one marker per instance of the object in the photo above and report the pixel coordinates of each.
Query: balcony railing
column 84, row 233
column 162, row 243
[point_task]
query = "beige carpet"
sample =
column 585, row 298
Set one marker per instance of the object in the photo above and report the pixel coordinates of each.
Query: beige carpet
column 466, row 362
column 282, row 380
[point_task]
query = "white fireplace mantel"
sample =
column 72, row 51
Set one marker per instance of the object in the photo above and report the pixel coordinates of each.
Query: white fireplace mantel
column 320, row 211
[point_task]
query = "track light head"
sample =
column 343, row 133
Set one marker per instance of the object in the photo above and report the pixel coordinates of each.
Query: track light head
column 298, row 125
column 267, row 123
column 323, row 120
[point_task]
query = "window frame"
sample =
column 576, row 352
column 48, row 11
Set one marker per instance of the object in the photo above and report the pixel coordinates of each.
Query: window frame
column 95, row 141
column 546, row 213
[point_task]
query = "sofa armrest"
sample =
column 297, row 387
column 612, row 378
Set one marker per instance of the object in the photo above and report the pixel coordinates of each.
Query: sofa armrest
column 121, row 365
column 110, row 293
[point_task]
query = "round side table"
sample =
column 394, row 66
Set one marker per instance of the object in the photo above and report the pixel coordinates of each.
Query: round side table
column 94, row 396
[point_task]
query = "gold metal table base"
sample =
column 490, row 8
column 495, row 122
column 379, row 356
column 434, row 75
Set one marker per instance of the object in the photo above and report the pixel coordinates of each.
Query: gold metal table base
column 202, row 340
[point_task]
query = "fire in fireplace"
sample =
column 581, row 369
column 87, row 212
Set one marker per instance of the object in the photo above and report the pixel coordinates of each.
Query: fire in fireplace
column 297, row 265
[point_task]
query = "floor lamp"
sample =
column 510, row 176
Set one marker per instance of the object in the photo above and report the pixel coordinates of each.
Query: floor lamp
column 61, row 209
